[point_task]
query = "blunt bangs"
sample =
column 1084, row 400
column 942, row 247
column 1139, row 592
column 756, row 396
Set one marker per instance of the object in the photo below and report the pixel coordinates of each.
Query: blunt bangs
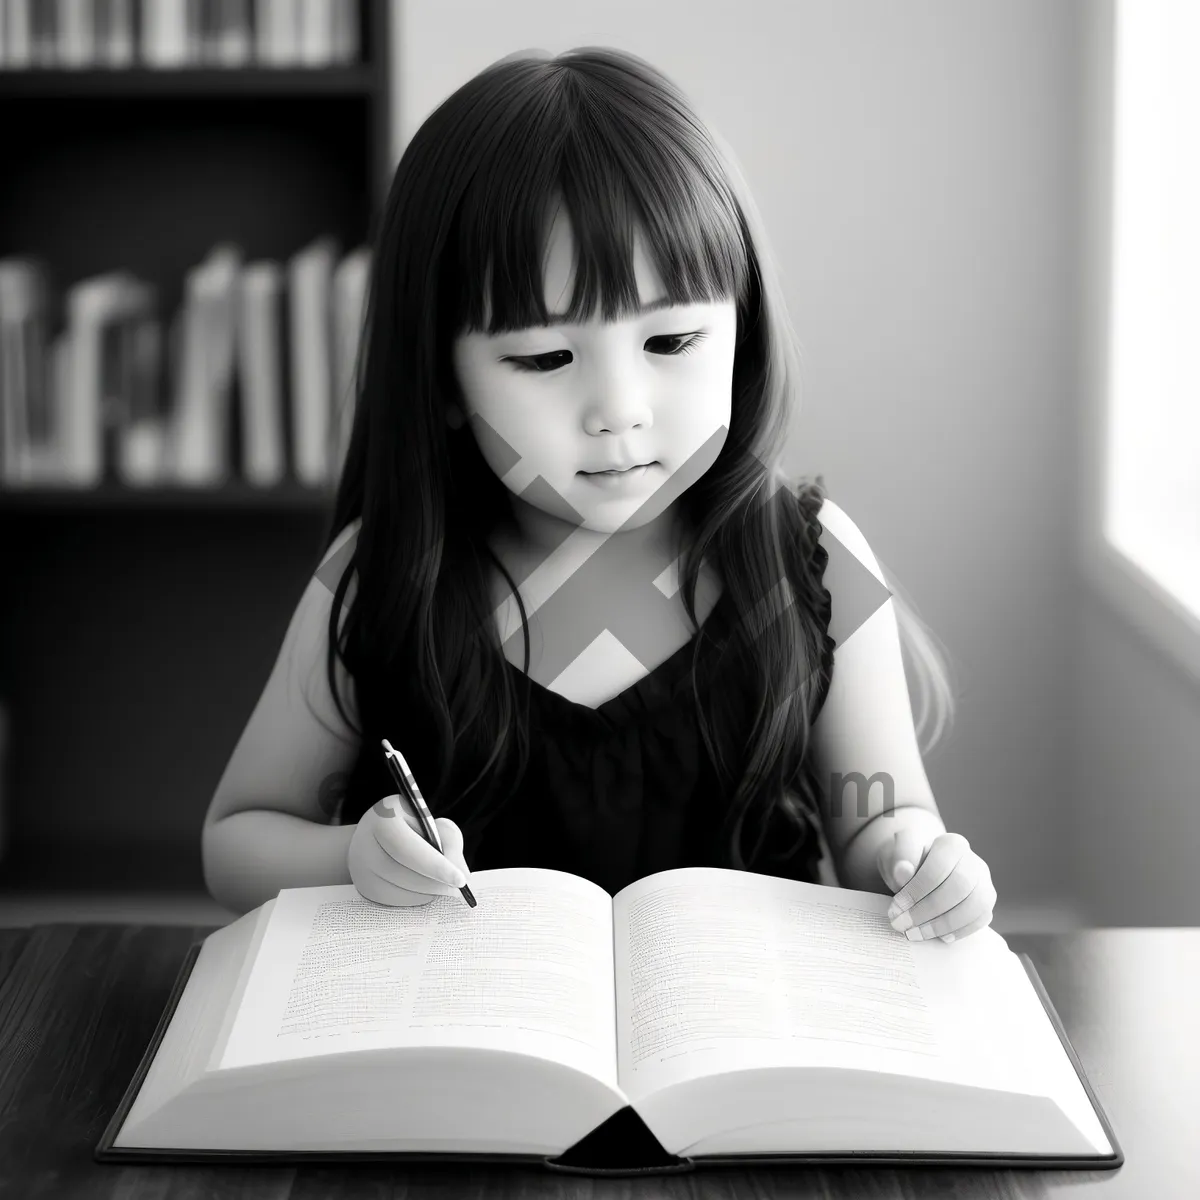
column 618, row 162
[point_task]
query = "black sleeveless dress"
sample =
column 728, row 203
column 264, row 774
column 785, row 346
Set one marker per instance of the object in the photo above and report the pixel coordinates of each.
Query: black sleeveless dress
column 618, row 792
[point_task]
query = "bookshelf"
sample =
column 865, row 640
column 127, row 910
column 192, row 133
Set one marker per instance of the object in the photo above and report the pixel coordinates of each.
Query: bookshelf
column 197, row 82
column 237, row 495
column 138, row 625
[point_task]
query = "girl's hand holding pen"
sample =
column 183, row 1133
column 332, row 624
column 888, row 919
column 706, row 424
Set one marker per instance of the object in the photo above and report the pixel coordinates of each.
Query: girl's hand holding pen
column 391, row 862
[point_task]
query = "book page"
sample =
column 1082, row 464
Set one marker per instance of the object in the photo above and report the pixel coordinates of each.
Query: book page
column 528, row 970
column 728, row 970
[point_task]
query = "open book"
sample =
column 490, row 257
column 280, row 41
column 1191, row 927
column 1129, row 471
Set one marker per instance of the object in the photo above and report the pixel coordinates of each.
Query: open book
column 716, row 1015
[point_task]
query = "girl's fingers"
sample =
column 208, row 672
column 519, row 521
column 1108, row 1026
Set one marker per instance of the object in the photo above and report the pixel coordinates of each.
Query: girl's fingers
column 940, row 863
column 410, row 852
column 907, row 846
column 378, row 889
column 452, row 843
column 451, row 835
column 979, row 923
column 381, row 879
column 391, row 863
column 969, row 880
column 967, row 915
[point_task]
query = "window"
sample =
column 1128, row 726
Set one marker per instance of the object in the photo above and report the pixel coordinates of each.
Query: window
column 1142, row 501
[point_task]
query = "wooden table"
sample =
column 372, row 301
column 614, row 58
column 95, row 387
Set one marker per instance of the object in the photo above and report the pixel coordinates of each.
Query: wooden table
column 79, row 1002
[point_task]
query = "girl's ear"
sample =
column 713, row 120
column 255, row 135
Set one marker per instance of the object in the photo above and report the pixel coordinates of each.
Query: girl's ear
column 454, row 415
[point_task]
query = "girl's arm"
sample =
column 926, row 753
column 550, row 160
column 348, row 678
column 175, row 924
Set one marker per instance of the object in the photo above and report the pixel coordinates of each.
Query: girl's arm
column 252, row 855
column 864, row 742
column 268, row 824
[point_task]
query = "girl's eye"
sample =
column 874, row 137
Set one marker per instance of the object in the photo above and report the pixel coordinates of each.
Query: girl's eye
column 544, row 363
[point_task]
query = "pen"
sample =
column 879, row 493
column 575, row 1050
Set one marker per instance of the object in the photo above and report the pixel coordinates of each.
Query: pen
column 409, row 790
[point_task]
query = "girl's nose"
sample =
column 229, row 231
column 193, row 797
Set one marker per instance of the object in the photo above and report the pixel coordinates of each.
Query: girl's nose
column 618, row 401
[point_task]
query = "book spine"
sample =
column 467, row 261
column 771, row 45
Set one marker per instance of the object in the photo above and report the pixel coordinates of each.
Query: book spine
column 19, row 48
column 164, row 31
column 287, row 388
column 76, row 30
column 231, row 33
column 43, row 27
column 310, row 274
column 14, row 434
column 315, row 32
column 277, row 32
column 140, row 449
column 258, row 367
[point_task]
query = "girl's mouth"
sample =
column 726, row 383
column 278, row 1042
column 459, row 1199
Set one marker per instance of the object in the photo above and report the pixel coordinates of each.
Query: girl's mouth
column 629, row 471
column 617, row 478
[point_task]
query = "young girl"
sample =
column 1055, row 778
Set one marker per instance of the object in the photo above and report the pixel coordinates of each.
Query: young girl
column 561, row 575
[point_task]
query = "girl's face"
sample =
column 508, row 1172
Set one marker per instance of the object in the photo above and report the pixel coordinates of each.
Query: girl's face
column 572, row 400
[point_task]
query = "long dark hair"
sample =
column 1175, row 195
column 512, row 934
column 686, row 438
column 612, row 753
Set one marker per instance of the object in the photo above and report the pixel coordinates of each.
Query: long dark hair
column 615, row 141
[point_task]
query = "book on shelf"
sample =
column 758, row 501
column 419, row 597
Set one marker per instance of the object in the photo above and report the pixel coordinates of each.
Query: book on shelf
column 25, row 419
column 699, row 1016
column 251, row 379
column 310, row 277
column 199, row 440
column 348, row 299
column 105, row 317
column 166, row 34
column 265, row 400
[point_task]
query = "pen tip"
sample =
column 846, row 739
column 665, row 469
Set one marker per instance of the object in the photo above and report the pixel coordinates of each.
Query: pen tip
column 388, row 746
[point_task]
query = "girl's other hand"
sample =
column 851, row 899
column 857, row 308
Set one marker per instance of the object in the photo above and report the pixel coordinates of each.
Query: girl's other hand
column 391, row 862
column 943, row 889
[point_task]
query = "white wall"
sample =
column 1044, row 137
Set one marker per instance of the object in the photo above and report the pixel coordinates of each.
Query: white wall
column 1136, row 712
column 918, row 167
